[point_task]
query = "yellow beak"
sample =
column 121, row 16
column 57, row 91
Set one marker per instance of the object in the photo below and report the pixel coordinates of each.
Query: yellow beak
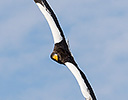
column 55, row 57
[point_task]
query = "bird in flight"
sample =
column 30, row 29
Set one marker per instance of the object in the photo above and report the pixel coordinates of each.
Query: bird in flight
column 61, row 52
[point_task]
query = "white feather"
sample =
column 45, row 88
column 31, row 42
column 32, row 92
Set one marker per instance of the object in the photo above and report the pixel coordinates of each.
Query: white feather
column 55, row 31
column 80, row 80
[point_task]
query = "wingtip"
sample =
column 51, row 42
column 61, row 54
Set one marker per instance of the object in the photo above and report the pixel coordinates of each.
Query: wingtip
column 38, row 1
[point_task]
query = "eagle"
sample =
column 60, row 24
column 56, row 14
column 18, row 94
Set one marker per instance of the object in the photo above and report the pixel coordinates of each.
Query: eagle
column 61, row 52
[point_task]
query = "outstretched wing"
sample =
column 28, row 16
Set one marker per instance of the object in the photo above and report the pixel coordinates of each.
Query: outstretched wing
column 82, row 81
column 61, row 52
column 52, row 20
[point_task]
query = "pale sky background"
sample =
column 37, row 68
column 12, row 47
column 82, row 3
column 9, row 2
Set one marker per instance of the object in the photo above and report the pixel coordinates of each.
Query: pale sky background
column 98, row 34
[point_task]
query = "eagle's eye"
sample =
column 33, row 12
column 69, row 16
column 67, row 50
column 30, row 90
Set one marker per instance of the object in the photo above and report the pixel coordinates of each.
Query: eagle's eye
column 55, row 57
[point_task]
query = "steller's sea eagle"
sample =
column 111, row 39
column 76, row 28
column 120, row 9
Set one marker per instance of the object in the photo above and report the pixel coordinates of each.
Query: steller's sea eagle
column 61, row 52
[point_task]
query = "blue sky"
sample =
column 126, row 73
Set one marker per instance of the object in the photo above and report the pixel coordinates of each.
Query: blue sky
column 98, row 34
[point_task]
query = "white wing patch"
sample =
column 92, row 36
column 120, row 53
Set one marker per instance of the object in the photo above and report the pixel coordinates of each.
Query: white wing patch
column 80, row 80
column 55, row 31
